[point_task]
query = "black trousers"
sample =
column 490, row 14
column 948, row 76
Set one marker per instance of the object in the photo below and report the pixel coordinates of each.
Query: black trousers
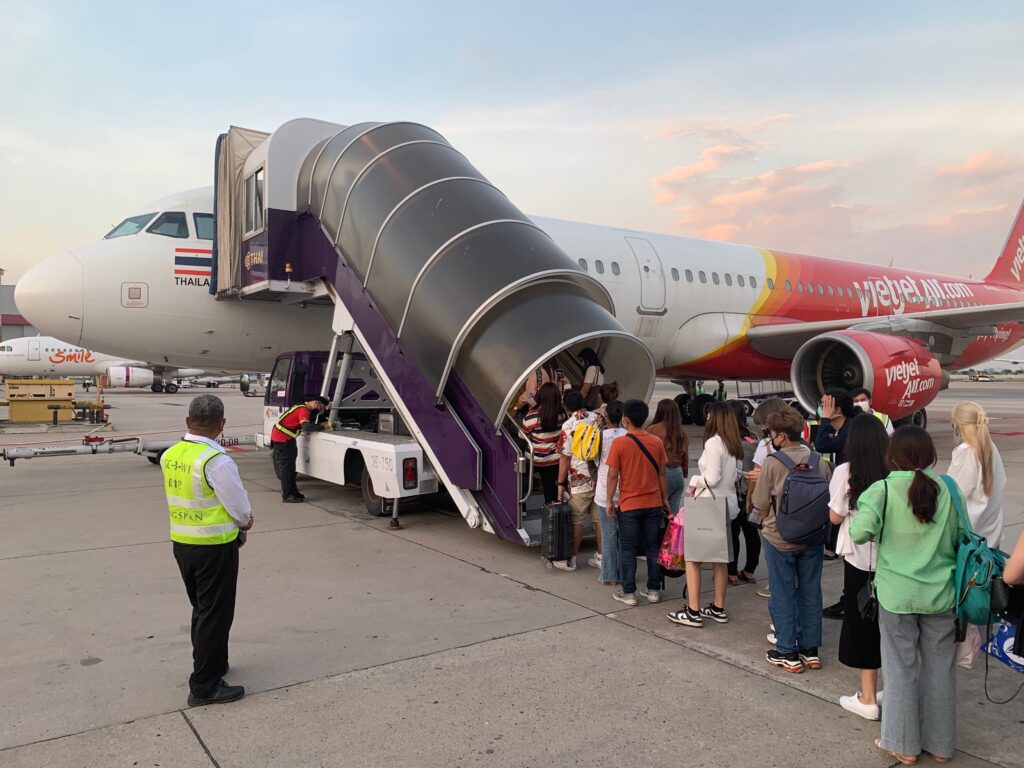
column 751, row 541
column 285, row 455
column 210, row 573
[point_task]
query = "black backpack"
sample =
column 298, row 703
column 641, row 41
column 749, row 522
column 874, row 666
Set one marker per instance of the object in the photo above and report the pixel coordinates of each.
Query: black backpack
column 801, row 513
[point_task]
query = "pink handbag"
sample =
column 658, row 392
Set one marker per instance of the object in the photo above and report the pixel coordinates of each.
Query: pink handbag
column 670, row 557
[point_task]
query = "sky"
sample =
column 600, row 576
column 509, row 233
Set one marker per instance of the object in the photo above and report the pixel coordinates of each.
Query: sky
column 879, row 132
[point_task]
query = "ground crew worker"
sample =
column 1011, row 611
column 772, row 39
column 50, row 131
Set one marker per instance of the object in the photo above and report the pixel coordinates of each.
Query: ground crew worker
column 285, row 449
column 862, row 400
column 208, row 506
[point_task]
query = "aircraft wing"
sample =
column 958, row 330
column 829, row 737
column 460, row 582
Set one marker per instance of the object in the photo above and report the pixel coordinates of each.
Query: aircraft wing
column 783, row 339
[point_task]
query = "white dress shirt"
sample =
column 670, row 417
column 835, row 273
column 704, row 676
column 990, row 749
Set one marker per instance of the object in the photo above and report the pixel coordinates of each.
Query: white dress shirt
column 985, row 512
column 222, row 475
column 718, row 472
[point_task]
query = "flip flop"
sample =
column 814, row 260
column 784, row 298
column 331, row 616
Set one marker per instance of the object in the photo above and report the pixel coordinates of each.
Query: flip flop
column 903, row 759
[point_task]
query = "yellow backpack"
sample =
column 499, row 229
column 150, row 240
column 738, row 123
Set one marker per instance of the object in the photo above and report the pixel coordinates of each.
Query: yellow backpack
column 586, row 441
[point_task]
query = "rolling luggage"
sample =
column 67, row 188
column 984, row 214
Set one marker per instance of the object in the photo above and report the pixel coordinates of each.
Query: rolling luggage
column 556, row 532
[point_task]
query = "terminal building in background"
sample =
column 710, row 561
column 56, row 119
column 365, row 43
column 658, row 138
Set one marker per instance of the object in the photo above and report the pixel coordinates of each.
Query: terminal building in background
column 12, row 324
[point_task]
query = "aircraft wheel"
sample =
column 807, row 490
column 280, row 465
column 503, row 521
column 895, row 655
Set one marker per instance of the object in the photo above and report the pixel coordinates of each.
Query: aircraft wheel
column 682, row 401
column 916, row 419
column 699, row 407
column 157, row 387
column 170, row 389
column 374, row 504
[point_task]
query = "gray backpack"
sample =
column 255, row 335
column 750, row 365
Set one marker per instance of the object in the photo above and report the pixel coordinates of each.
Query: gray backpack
column 801, row 514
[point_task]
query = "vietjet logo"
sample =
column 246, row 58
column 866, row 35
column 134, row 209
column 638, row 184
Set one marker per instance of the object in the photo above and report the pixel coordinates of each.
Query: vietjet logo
column 1018, row 260
column 72, row 356
column 902, row 372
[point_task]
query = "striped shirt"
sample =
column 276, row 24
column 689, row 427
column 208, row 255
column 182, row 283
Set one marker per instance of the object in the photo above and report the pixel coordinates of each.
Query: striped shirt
column 545, row 441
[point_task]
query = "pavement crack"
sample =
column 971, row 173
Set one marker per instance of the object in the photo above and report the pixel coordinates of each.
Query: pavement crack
column 199, row 738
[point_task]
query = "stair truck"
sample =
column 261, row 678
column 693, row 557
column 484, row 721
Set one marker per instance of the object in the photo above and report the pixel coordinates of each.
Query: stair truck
column 441, row 296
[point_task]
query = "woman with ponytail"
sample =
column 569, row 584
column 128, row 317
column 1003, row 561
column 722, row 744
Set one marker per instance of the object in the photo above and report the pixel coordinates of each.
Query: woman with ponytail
column 978, row 469
column 912, row 519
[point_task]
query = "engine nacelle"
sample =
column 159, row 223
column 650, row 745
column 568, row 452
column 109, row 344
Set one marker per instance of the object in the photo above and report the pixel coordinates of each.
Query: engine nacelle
column 124, row 377
column 902, row 374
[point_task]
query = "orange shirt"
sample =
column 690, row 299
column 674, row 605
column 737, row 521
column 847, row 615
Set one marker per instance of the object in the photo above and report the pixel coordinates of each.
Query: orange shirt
column 639, row 482
column 292, row 421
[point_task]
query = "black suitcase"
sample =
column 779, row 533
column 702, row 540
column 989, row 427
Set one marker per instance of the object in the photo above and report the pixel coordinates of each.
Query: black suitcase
column 556, row 532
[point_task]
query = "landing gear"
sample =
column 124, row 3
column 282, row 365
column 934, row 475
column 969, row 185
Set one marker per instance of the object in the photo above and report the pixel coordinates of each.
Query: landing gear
column 170, row 389
column 683, row 403
column 916, row 419
column 157, row 388
column 699, row 407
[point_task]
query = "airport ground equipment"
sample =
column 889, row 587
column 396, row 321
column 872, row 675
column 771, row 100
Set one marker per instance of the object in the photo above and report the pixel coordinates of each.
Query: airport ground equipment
column 449, row 291
column 30, row 400
column 94, row 445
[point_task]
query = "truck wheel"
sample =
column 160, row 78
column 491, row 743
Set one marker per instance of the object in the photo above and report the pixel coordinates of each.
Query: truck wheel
column 699, row 409
column 374, row 504
column 157, row 388
column 170, row 389
column 683, row 401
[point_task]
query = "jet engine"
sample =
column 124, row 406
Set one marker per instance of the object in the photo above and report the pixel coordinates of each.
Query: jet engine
column 902, row 374
column 122, row 376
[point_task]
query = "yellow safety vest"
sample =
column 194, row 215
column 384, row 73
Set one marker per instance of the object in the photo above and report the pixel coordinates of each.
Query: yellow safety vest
column 197, row 516
column 292, row 434
column 882, row 418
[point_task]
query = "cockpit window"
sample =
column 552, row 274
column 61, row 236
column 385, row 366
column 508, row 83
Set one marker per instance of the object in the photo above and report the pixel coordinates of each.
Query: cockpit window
column 130, row 226
column 170, row 224
column 204, row 225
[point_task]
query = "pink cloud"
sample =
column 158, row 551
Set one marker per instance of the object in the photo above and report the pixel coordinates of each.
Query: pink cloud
column 984, row 166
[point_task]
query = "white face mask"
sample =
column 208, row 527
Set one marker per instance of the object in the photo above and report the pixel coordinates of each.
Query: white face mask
column 864, row 405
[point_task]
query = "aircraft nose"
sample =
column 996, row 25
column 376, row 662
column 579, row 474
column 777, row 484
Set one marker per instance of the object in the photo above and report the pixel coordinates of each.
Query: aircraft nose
column 51, row 295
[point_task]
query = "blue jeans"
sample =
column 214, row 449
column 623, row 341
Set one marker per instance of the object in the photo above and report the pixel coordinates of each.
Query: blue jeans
column 676, row 486
column 795, row 604
column 609, row 546
column 640, row 530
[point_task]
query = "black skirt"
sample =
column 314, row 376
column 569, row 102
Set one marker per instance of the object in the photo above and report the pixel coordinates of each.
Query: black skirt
column 859, row 641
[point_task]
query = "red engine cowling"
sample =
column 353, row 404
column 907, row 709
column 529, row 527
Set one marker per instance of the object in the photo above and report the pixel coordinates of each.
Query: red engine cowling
column 122, row 376
column 902, row 374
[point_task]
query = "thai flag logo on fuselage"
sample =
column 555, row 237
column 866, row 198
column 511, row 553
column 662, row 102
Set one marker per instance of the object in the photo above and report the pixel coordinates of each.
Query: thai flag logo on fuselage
column 193, row 262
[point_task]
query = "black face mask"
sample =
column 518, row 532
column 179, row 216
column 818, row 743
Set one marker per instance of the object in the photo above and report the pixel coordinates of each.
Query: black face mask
column 775, row 446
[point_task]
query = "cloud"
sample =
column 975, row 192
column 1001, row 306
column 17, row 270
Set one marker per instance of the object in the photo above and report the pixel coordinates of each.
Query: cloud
column 717, row 127
column 982, row 167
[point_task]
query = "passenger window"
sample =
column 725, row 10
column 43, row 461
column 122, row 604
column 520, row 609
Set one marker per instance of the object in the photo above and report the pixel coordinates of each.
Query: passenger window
column 583, row 265
column 675, row 274
column 771, row 283
column 204, row 225
column 860, row 294
column 130, row 226
column 599, row 267
column 254, row 202
column 849, row 292
column 821, row 289
column 703, row 278
column 799, row 287
column 753, row 282
column 728, row 279
column 740, row 281
column 615, row 268
column 789, row 286
column 689, row 276
column 714, row 278
column 170, row 225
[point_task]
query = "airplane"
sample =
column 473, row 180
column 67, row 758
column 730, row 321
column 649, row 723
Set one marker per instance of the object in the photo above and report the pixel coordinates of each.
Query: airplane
column 705, row 309
column 45, row 355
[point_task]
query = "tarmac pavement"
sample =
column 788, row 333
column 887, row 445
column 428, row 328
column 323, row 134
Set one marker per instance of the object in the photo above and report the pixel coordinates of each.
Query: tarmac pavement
column 433, row 645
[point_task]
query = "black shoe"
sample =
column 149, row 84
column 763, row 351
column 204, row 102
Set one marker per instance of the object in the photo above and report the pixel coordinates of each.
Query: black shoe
column 293, row 499
column 835, row 611
column 810, row 658
column 222, row 693
column 791, row 662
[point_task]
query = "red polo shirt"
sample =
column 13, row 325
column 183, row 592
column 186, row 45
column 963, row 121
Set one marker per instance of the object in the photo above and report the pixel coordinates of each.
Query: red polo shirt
column 292, row 421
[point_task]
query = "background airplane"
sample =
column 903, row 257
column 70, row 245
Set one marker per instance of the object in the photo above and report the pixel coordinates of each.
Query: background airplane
column 45, row 356
column 706, row 310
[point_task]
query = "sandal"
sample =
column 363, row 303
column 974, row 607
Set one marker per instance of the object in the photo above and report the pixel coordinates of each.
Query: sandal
column 746, row 579
column 937, row 758
column 903, row 759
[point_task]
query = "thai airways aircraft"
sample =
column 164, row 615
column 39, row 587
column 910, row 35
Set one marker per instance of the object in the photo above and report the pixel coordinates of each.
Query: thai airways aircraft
column 706, row 310
column 45, row 355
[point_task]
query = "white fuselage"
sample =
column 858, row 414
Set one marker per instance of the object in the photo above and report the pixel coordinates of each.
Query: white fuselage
column 45, row 356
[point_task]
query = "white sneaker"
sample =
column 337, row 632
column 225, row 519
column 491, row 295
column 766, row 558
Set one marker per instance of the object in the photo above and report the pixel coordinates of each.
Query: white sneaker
column 595, row 561
column 772, row 626
column 622, row 597
column 878, row 698
column 772, row 638
column 653, row 596
column 565, row 565
column 853, row 704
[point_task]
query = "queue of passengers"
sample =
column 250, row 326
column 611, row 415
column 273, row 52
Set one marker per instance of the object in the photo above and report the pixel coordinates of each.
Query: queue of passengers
column 895, row 525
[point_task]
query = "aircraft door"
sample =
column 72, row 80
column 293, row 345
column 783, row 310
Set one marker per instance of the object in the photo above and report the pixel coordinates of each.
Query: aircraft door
column 652, row 277
column 33, row 349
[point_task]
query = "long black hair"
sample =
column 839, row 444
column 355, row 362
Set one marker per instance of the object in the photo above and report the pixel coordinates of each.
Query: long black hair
column 549, row 403
column 589, row 357
column 911, row 449
column 866, row 445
